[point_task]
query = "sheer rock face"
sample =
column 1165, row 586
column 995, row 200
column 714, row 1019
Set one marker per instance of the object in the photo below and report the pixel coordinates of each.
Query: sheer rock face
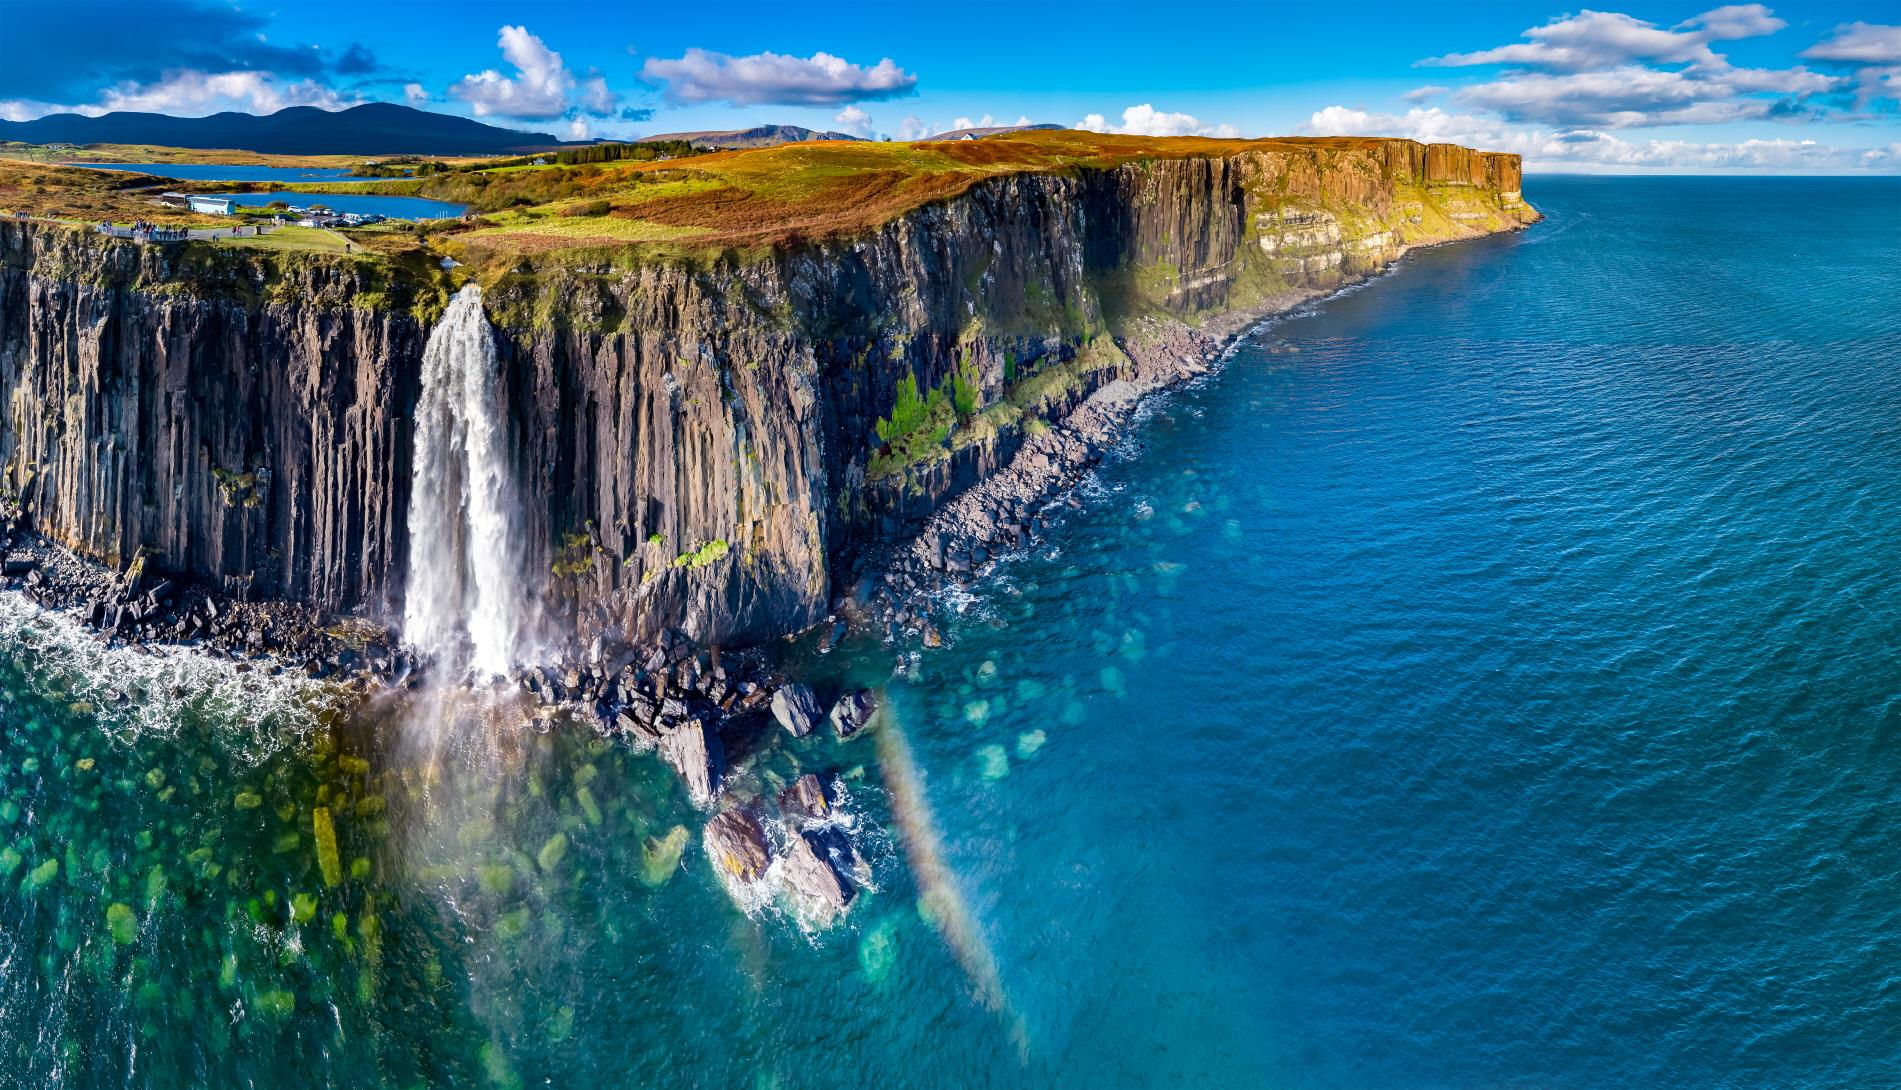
column 697, row 441
column 259, row 445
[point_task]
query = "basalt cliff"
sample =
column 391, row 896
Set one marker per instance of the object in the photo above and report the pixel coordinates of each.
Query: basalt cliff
column 721, row 442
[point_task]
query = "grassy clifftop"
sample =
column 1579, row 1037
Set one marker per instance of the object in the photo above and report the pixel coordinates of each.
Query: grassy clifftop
column 794, row 192
column 531, row 218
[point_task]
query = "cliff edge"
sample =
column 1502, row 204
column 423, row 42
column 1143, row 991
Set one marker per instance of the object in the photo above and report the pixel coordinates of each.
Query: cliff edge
column 727, row 398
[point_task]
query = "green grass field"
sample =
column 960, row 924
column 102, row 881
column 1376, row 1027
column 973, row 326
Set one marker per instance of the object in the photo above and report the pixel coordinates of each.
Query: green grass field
column 315, row 240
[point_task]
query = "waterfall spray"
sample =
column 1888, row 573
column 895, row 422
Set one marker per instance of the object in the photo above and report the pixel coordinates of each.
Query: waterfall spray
column 468, row 602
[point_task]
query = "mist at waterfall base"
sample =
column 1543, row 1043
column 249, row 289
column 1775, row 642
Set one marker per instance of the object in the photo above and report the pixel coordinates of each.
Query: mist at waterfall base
column 1493, row 692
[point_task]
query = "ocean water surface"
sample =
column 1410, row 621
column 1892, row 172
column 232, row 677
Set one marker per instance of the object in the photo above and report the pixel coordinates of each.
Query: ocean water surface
column 1488, row 680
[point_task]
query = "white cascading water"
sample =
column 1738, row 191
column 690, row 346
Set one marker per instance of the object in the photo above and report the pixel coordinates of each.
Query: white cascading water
column 468, row 604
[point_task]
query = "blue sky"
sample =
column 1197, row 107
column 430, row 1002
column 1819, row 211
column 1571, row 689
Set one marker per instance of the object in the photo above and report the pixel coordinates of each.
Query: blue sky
column 1781, row 88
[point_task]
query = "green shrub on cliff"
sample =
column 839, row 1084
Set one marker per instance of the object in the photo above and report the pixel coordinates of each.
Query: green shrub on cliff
column 966, row 388
column 707, row 554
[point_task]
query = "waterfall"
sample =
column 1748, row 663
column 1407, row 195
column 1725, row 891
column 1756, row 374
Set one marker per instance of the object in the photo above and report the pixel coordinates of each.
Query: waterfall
column 468, row 603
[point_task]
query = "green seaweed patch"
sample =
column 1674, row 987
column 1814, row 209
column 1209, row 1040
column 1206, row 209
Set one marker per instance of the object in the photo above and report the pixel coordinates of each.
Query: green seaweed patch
column 123, row 923
column 328, row 860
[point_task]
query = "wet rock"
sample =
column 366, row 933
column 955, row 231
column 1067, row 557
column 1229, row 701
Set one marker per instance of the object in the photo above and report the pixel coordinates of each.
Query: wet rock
column 821, row 892
column 806, row 798
column 853, row 711
column 693, row 749
column 835, row 844
column 796, row 709
column 736, row 845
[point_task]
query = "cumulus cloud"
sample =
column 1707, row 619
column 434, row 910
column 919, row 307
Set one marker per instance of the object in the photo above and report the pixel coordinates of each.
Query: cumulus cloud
column 1605, row 39
column 538, row 89
column 1873, row 50
column 1611, row 70
column 415, row 94
column 136, row 57
column 190, row 93
column 1634, row 95
column 68, row 51
column 1574, row 149
column 1146, row 120
column 1860, row 43
column 595, row 97
column 702, row 76
column 914, row 127
column 356, row 61
column 853, row 120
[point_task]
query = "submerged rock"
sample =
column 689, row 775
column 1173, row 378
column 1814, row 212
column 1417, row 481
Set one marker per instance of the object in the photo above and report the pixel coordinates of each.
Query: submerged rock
column 796, row 709
column 737, row 846
column 853, row 711
column 806, row 798
column 694, row 751
column 660, row 855
column 820, row 891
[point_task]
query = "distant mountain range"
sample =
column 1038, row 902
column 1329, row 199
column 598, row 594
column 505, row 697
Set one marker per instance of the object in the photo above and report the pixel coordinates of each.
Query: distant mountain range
column 376, row 128
column 762, row 136
column 765, row 136
column 991, row 130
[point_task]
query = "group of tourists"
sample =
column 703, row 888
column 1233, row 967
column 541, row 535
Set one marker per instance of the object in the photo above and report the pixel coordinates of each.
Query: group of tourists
column 144, row 231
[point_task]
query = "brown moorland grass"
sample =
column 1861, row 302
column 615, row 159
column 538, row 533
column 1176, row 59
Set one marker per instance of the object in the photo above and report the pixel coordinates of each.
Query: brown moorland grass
column 87, row 196
column 769, row 196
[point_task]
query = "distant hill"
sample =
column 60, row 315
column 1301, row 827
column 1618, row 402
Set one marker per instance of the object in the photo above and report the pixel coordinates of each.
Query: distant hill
column 376, row 128
column 993, row 130
column 763, row 136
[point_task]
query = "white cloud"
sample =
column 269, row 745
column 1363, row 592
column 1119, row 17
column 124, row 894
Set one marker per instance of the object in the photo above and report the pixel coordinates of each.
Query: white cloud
column 1859, row 43
column 1146, row 120
column 1610, row 70
column 538, row 89
column 1634, row 95
column 1874, row 47
column 914, row 127
column 189, row 92
column 702, row 76
column 596, row 98
column 853, row 120
column 1591, row 149
column 414, row 94
column 1605, row 39
column 578, row 129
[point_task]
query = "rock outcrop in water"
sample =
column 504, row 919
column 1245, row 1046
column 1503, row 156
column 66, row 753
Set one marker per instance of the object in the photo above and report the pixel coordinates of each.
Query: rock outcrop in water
column 713, row 444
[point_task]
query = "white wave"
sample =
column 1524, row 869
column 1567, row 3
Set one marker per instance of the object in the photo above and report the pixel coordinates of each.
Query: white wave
column 137, row 691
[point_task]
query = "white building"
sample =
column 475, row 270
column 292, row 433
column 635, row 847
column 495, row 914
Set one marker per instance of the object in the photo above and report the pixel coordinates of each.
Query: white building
column 210, row 206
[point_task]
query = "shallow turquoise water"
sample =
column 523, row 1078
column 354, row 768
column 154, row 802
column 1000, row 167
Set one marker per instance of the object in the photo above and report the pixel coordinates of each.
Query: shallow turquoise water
column 1496, row 691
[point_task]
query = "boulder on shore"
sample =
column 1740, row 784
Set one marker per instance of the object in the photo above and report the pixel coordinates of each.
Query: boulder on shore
column 694, row 751
column 853, row 711
column 821, row 892
column 796, row 709
column 736, row 844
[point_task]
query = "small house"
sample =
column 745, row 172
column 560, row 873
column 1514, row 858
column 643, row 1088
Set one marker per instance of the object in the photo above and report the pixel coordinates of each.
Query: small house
column 210, row 206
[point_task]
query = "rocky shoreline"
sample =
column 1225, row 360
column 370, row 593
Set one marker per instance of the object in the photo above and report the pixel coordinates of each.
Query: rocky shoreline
column 689, row 705
column 1008, row 510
